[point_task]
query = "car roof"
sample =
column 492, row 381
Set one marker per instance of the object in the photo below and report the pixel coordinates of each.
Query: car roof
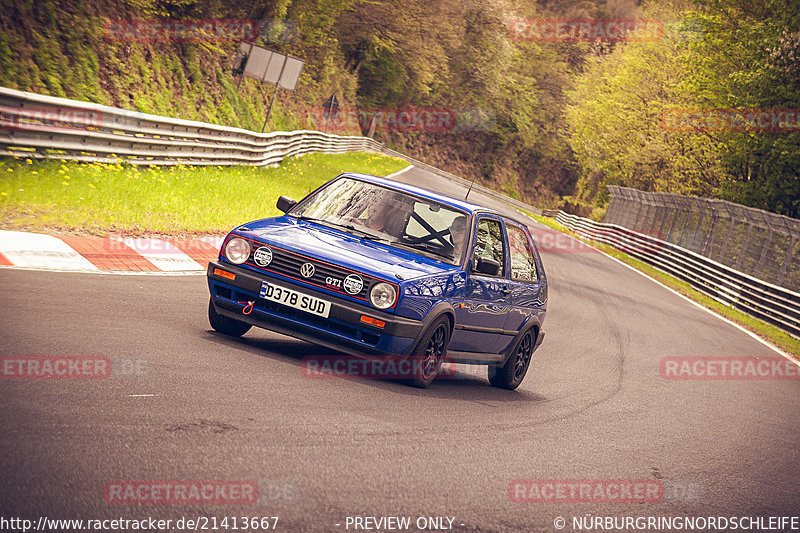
column 425, row 193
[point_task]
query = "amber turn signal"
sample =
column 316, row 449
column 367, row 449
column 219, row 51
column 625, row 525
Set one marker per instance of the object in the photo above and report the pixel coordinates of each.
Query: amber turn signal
column 225, row 274
column 372, row 321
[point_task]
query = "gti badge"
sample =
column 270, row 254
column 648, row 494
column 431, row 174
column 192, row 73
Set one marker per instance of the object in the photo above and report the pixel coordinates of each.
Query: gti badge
column 307, row 270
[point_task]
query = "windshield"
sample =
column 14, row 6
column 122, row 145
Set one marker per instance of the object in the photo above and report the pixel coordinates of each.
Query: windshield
column 378, row 213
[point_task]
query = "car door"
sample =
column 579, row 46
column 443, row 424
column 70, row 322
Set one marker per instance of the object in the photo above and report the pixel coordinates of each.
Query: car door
column 526, row 284
column 481, row 316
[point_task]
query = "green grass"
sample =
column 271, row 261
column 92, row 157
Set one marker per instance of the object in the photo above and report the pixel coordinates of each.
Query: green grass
column 776, row 336
column 102, row 199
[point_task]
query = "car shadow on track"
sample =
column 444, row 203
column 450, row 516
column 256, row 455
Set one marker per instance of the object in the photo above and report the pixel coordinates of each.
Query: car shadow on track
column 467, row 382
column 285, row 349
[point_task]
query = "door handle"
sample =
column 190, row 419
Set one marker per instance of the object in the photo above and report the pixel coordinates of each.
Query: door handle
column 506, row 291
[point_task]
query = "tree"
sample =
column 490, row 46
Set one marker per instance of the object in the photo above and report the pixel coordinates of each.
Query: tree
column 749, row 59
column 616, row 121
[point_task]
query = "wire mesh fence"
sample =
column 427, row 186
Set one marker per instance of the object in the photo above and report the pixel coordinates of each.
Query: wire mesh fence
column 762, row 244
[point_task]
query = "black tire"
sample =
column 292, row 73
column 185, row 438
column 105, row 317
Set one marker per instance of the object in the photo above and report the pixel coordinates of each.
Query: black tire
column 226, row 325
column 426, row 360
column 510, row 375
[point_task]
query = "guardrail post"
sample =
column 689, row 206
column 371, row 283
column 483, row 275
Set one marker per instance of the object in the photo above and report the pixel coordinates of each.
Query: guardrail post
column 700, row 218
column 652, row 212
column 786, row 258
column 613, row 205
column 744, row 245
column 767, row 241
column 710, row 235
column 675, row 215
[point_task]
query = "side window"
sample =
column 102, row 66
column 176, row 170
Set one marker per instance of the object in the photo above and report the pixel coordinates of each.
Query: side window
column 523, row 266
column 489, row 243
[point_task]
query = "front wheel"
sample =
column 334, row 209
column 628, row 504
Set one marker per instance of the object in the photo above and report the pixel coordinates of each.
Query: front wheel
column 226, row 325
column 510, row 375
column 429, row 353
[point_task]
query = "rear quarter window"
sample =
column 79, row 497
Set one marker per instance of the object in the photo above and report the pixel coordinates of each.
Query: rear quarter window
column 523, row 265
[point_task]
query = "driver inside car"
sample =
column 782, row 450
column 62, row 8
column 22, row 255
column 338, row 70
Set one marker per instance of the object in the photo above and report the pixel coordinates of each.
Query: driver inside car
column 458, row 235
column 378, row 214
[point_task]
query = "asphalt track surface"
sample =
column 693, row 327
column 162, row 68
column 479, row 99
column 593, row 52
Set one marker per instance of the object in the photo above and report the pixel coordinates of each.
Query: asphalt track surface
column 203, row 406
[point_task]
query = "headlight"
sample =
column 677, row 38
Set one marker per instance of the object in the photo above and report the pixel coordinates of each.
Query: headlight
column 383, row 295
column 237, row 250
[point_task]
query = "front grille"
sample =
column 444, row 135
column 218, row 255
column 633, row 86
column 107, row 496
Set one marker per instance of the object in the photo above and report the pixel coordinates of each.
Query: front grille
column 326, row 275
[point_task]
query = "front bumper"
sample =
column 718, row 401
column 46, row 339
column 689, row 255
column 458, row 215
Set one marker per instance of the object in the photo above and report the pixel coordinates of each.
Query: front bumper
column 342, row 330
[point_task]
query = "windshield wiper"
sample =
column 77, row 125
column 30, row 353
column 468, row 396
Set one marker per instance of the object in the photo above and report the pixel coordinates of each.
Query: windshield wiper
column 377, row 238
column 424, row 248
column 303, row 217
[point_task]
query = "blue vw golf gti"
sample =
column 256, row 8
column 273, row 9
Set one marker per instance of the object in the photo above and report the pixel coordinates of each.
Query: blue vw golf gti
column 387, row 271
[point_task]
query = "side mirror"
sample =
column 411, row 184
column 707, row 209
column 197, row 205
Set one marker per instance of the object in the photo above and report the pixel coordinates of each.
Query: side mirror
column 490, row 267
column 285, row 203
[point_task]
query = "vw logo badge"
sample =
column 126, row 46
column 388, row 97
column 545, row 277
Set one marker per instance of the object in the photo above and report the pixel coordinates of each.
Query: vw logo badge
column 307, row 270
column 263, row 256
column 353, row 284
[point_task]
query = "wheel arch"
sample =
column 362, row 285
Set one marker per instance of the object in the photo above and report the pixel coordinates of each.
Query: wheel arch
column 437, row 311
column 532, row 324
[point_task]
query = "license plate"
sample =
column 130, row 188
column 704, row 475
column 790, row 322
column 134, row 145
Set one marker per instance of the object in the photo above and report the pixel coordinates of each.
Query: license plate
column 291, row 298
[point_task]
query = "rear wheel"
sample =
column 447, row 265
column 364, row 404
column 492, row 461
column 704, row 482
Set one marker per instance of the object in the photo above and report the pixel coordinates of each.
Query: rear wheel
column 429, row 353
column 226, row 325
column 510, row 375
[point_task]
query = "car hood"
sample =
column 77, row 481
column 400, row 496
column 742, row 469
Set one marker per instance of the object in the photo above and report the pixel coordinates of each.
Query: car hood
column 327, row 244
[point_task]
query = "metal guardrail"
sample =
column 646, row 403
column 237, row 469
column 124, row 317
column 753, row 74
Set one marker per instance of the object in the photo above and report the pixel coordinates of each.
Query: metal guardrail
column 763, row 244
column 38, row 126
column 771, row 303
column 33, row 125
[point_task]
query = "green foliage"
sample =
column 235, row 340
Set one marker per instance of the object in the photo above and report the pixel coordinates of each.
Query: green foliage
column 748, row 59
column 616, row 129
column 563, row 119
column 718, row 54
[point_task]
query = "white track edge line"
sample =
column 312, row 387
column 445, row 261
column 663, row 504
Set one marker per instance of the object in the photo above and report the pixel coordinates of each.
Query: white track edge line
column 390, row 176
